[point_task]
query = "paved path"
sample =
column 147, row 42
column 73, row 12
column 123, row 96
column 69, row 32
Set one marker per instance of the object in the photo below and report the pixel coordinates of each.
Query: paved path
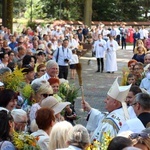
column 95, row 84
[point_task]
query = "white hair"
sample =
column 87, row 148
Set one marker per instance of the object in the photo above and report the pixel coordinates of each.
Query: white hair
column 51, row 63
column 19, row 115
column 78, row 136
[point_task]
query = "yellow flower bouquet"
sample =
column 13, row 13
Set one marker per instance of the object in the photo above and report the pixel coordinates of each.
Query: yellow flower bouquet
column 24, row 141
column 96, row 145
column 13, row 80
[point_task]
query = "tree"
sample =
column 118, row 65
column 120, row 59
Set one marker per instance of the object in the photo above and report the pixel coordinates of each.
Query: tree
column 19, row 8
column 87, row 12
column 7, row 13
column 103, row 10
column 145, row 9
column 64, row 9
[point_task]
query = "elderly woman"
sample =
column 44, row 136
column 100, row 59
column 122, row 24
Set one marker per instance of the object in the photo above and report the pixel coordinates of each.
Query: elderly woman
column 78, row 138
column 59, row 134
column 54, row 82
column 41, row 89
column 6, row 129
column 8, row 99
column 20, row 119
column 45, row 120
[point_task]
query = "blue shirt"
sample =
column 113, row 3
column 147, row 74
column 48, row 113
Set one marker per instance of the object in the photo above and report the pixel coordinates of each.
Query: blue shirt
column 6, row 145
column 12, row 45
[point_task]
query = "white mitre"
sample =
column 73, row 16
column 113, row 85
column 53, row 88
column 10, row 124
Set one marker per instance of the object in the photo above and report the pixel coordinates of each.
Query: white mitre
column 120, row 93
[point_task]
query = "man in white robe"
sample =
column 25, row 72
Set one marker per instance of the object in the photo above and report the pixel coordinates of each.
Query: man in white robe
column 99, row 123
column 99, row 49
column 111, row 61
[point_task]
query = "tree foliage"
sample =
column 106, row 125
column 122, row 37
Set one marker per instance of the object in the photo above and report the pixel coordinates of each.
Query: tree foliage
column 103, row 10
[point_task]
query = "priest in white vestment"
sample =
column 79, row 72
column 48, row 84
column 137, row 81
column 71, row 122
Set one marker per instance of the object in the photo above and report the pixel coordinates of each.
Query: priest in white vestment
column 99, row 123
column 111, row 60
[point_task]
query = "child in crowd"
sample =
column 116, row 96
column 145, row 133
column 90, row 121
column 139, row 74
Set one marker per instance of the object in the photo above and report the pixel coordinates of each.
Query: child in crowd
column 73, row 63
column 130, row 79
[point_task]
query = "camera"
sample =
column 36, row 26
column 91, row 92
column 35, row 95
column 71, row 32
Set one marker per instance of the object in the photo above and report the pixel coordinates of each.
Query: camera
column 66, row 60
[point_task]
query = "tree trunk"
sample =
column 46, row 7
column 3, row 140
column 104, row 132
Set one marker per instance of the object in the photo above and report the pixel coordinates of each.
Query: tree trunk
column 10, row 14
column 7, row 14
column 4, row 12
column 87, row 12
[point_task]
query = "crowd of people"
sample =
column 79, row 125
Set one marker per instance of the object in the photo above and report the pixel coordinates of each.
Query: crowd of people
column 44, row 57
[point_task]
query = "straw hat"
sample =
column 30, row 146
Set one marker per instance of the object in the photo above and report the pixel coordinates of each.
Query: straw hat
column 52, row 103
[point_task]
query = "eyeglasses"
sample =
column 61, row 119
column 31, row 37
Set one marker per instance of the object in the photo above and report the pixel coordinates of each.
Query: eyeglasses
column 137, row 135
column 42, row 70
column 46, row 95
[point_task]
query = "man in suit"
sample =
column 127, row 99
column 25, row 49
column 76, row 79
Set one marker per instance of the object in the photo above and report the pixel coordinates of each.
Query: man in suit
column 136, row 36
column 123, row 32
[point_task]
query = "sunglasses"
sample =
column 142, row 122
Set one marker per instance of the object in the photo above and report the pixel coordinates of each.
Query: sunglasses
column 137, row 135
column 46, row 95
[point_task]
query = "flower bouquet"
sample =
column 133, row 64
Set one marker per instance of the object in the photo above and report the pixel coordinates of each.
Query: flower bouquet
column 13, row 80
column 27, row 92
column 96, row 145
column 68, row 92
column 23, row 141
column 106, row 140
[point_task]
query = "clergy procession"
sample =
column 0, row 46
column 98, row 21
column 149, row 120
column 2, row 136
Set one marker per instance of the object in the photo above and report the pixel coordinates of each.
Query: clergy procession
column 39, row 70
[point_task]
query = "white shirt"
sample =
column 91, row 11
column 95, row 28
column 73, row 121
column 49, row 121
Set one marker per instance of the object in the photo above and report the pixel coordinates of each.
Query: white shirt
column 73, row 44
column 43, row 139
column 143, row 33
column 33, row 111
column 135, row 125
column 99, row 48
column 145, row 84
column 105, row 33
column 74, row 59
column 45, row 76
